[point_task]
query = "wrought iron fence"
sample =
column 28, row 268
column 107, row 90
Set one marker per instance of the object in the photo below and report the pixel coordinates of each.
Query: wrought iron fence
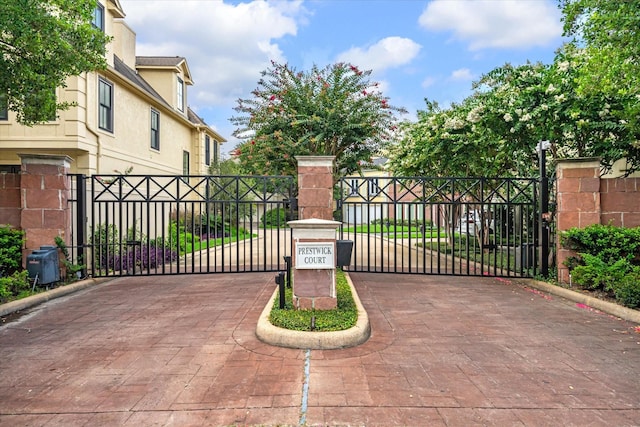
column 455, row 226
column 150, row 225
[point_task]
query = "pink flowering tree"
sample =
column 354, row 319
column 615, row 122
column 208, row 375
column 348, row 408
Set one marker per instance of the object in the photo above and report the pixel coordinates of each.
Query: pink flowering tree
column 336, row 110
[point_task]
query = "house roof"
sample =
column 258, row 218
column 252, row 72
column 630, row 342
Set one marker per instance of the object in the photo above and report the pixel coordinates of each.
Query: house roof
column 116, row 8
column 196, row 119
column 135, row 78
column 165, row 62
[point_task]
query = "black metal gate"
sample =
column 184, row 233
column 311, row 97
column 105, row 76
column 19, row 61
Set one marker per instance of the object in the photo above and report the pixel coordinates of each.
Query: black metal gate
column 152, row 225
column 451, row 226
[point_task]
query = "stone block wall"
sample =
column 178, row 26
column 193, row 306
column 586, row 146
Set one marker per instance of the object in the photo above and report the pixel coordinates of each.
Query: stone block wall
column 584, row 198
column 10, row 202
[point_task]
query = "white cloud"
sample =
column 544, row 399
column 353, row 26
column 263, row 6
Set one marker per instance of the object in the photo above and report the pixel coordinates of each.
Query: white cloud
column 226, row 46
column 389, row 52
column 495, row 24
column 462, row 74
column 428, row 81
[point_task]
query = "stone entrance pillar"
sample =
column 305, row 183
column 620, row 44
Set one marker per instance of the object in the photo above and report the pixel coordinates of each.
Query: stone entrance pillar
column 314, row 262
column 44, row 188
column 315, row 187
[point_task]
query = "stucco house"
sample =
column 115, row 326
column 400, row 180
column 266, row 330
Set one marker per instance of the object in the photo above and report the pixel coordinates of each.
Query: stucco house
column 133, row 116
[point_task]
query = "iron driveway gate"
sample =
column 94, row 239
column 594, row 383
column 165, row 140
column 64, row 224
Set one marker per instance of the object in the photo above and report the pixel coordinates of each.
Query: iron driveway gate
column 453, row 226
column 152, row 225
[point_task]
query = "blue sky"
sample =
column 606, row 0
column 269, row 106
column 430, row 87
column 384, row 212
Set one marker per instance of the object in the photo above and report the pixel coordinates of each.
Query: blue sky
column 416, row 49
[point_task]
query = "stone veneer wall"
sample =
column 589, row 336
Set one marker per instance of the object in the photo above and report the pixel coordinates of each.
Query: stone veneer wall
column 10, row 205
column 315, row 187
column 584, row 198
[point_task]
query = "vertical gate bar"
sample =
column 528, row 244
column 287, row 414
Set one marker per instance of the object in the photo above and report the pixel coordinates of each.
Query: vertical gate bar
column 207, row 210
column 237, row 222
column 193, row 236
column 544, row 208
column 120, row 221
column 81, row 221
column 92, row 226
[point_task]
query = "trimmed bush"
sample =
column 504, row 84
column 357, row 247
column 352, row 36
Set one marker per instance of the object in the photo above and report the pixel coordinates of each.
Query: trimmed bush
column 608, row 260
column 11, row 242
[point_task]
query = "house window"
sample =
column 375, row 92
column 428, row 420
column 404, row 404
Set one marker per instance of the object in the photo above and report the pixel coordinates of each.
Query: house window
column 4, row 108
column 353, row 187
column 216, row 150
column 207, row 150
column 155, row 129
column 105, row 107
column 180, row 89
column 98, row 17
column 374, row 188
column 185, row 163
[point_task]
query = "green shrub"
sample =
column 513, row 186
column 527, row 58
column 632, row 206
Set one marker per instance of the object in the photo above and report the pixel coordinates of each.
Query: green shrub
column 11, row 242
column 14, row 286
column 607, row 242
column 627, row 290
column 274, row 217
column 343, row 317
column 597, row 274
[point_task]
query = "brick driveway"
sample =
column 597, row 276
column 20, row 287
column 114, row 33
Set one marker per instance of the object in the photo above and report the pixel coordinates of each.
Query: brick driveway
column 181, row 350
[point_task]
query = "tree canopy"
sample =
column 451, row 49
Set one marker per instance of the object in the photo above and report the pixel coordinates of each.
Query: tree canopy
column 334, row 110
column 609, row 31
column 586, row 103
column 42, row 42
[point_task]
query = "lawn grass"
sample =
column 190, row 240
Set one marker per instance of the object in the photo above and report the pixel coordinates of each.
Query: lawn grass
column 212, row 243
column 341, row 318
column 397, row 231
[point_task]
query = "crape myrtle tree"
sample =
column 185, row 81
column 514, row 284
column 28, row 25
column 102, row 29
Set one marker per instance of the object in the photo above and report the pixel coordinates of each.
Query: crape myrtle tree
column 336, row 110
column 42, row 42
column 494, row 132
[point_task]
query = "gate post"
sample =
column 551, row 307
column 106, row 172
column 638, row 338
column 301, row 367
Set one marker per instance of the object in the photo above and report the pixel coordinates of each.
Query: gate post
column 44, row 192
column 315, row 187
column 578, row 201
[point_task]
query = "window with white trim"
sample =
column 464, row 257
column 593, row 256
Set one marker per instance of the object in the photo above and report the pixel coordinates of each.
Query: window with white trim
column 374, row 188
column 180, row 93
column 105, row 105
column 155, row 129
column 207, row 150
column 98, row 17
column 185, row 163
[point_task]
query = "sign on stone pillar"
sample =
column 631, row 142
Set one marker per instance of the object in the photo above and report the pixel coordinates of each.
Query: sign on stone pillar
column 314, row 263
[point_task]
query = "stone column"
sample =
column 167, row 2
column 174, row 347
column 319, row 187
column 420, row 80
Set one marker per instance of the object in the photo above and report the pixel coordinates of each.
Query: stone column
column 44, row 186
column 578, row 191
column 314, row 263
column 315, row 187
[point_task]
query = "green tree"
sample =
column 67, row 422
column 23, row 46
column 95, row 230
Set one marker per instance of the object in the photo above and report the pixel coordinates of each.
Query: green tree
column 231, row 193
column 42, row 42
column 335, row 111
column 609, row 31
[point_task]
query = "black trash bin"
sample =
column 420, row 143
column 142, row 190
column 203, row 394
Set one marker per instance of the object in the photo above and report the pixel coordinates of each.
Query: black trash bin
column 343, row 252
column 43, row 264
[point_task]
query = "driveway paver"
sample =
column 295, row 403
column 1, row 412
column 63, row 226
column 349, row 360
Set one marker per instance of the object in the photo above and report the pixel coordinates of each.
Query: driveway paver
column 444, row 350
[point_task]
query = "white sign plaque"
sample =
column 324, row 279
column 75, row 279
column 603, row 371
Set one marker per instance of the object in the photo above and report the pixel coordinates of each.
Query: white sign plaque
column 319, row 255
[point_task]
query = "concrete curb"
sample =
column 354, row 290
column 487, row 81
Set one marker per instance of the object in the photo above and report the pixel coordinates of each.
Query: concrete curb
column 598, row 304
column 280, row 337
column 28, row 302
